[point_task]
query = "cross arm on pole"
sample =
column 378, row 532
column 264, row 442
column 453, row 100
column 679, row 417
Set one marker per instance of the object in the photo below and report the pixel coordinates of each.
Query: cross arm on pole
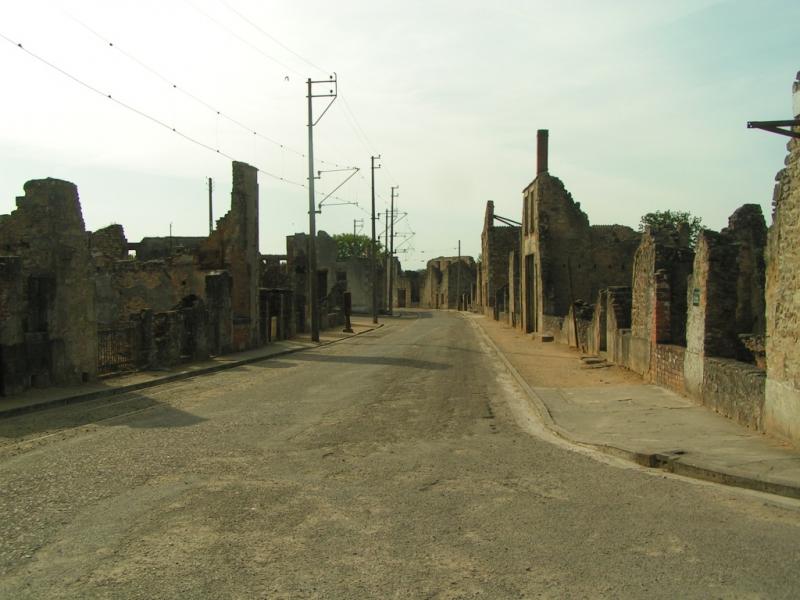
column 776, row 127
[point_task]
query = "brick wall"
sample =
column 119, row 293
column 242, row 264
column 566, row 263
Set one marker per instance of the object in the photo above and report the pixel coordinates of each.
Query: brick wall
column 667, row 367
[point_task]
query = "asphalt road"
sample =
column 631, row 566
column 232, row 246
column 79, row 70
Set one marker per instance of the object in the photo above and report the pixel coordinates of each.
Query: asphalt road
column 403, row 463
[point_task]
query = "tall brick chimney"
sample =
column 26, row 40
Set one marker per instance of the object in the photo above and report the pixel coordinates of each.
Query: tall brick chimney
column 541, row 151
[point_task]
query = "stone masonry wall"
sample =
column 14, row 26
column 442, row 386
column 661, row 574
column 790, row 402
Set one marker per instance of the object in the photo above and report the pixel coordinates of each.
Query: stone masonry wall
column 47, row 232
column 782, row 405
column 736, row 390
column 126, row 287
column 571, row 260
column 233, row 246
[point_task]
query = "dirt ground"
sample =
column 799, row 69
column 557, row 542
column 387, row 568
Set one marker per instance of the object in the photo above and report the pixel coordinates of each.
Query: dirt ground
column 547, row 364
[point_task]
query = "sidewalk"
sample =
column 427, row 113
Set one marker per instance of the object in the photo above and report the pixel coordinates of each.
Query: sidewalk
column 612, row 410
column 40, row 399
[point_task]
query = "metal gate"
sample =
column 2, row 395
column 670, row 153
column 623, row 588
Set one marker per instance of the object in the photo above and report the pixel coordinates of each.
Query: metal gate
column 116, row 349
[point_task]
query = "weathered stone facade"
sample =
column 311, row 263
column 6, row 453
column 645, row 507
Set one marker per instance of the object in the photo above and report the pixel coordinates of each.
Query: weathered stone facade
column 440, row 288
column 47, row 303
column 662, row 263
column 75, row 304
column 332, row 278
column 234, row 247
column 782, row 404
column 496, row 243
column 563, row 258
column 168, row 270
column 407, row 288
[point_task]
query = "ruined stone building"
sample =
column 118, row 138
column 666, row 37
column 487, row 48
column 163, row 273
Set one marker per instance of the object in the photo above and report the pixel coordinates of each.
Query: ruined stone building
column 500, row 243
column 690, row 318
column 332, row 278
column 48, row 323
column 221, row 271
column 562, row 257
column 716, row 322
column 448, row 282
column 75, row 304
column 407, row 287
column 359, row 283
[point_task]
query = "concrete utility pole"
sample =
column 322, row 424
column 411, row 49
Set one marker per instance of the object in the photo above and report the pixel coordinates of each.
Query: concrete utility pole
column 210, row 206
column 386, row 257
column 372, row 257
column 312, row 211
column 458, row 278
column 391, row 254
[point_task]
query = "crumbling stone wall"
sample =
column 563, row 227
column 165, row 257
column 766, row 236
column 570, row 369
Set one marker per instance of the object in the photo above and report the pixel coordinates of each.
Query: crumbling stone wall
column 557, row 235
column 613, row 248
column 619, row 300
column 440, row 288
column 14, row 372
column 161, row 248
column 723, row 297
column 735, row 390
column 514, row 299
column 496, row 243
column 275, row 271
column 431, row 293
column 47, row 233
column 233, row 246
column 576, row 326
column 125, row 287
column 109, row 242
column 564, row 258
column 406, row 287
column 662, row 263
column 218, row 286
column 782, row 405
column 329, row 289
column 359, row 278
column 747, row 229
column 597, row 342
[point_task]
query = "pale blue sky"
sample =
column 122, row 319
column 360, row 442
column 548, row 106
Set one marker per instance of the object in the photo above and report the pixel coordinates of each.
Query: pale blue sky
column 646, row 103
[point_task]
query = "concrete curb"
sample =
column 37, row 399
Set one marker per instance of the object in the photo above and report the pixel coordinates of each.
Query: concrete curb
column 111, row 392
column 677, row 464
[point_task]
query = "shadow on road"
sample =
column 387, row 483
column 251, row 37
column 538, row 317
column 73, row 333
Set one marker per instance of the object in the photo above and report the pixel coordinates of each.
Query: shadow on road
column 145, row 412
column 374, row 360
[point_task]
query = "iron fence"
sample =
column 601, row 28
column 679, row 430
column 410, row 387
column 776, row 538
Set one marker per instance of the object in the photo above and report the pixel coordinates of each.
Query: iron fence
column 116, row 349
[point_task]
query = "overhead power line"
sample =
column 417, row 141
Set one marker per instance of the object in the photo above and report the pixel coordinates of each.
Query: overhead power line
column 171, row 83
column 243, row 40
column 144, row 114
column 271, row 37
column 350, row 116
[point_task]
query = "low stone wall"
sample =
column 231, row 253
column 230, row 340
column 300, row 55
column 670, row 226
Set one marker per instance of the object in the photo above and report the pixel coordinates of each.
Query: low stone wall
column 667, row 367
column 736, row 390
column 552, row 326
column 637, row 356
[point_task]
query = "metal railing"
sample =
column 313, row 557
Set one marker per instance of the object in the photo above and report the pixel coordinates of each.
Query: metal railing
column 116, row 349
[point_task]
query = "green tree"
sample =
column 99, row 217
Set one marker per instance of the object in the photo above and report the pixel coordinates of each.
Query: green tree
column 348, row 244
column 667, row 219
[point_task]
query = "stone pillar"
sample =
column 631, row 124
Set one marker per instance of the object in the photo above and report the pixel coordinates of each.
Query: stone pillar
column 220, row 315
